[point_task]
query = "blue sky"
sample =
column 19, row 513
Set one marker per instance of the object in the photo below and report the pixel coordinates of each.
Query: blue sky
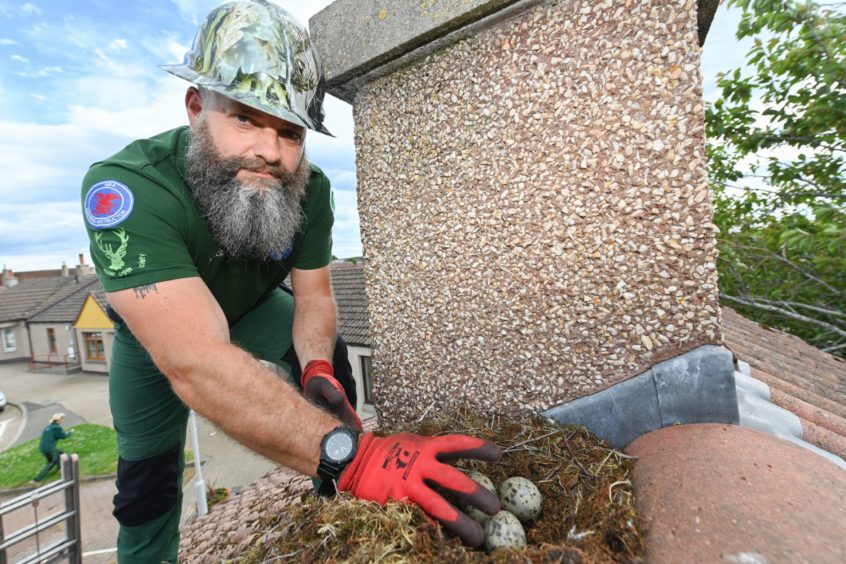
column 78, row 81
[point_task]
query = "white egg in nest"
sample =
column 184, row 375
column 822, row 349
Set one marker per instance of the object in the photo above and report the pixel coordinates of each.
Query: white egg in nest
column 504, row 530
column 521, row 497
column 485, row 482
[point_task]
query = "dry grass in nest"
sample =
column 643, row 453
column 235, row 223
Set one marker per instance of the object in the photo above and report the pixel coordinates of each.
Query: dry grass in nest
column 588, row 507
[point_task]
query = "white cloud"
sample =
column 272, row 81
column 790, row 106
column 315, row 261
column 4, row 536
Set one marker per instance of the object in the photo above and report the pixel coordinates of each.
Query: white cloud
column 19, row 58
column 346, row 235
column 107, row 101
column 193, row 11
column 41, row 235
column 30, row 8
column 42, row 72
column 7, row 41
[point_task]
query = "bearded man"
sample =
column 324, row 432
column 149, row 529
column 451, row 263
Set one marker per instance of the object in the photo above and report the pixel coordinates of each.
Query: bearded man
column 192, row 231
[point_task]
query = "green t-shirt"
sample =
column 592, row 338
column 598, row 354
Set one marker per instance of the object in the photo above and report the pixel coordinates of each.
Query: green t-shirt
column 144, row 227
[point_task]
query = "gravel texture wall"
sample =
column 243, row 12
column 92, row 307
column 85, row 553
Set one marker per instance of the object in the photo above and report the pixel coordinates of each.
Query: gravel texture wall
column 535, row 211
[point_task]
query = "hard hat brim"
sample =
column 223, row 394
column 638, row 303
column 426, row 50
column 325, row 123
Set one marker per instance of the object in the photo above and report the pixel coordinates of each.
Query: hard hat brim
column 189, row 74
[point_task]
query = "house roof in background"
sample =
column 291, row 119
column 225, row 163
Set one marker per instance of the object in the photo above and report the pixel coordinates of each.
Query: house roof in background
column 353, row 317
column 349, row 288
column 64, row 305
column 786, row 357
column 30, row 296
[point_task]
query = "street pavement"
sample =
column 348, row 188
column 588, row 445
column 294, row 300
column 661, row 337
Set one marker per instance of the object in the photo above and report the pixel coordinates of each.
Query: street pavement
column 84, row 398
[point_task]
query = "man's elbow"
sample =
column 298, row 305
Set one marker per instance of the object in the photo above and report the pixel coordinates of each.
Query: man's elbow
column 185, row 364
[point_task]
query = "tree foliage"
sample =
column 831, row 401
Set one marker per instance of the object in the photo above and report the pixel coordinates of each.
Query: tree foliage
column 776, row 142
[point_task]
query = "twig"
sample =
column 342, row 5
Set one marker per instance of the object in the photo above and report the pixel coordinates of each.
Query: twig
column 619, row 483
column 425, row 413
column 576, row 460
column 791, row 264
column 577, row 537
column 514, row 447
column 617, row 452
column 754, row 303
column 289, row 555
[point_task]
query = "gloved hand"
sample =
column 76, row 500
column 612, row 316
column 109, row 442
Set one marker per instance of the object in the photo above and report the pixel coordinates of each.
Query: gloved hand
column 320, row 386
column 405, row 466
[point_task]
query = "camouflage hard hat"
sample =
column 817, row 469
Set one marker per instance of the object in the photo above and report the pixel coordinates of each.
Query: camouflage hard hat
column 258, row 54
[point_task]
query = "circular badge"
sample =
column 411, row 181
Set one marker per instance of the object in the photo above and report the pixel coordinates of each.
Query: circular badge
column 107, row 204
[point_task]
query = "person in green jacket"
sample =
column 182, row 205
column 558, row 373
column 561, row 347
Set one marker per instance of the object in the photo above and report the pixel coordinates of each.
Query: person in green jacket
column 51, row 435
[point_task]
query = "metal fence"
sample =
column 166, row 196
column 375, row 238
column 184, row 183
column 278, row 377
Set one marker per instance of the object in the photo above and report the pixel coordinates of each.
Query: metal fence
column 68, row 549
column 65, row 362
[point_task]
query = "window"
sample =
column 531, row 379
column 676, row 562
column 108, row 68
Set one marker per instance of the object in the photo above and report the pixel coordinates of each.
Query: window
column 51, row 339
column 94, row 349
column 367, row 377
column 9, row 343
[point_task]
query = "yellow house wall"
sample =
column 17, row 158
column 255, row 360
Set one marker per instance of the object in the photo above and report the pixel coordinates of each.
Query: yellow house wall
column 92, row 316
column 92, row 319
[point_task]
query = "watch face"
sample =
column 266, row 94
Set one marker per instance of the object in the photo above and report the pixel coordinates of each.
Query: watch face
column 339, row 446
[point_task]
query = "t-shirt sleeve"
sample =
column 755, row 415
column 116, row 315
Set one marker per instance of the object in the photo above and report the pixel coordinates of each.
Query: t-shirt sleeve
column 137, row 229
column 316, row 248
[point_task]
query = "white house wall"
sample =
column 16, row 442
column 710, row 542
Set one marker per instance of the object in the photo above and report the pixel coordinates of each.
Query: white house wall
column 21, row 351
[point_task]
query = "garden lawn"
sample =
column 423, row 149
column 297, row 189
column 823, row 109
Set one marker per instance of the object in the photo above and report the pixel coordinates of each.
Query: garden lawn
column 96, row 446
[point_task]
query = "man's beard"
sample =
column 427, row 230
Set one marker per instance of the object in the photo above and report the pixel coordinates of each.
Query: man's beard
column 257, row 219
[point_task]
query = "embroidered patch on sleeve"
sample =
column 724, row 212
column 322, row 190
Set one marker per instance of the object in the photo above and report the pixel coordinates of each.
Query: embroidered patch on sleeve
column 115, row 251
column 107, row 204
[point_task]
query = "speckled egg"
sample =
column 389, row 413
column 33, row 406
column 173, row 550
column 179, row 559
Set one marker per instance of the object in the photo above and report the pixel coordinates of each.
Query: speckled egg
column 485, row 482
column 521, row 497
column 504, row 530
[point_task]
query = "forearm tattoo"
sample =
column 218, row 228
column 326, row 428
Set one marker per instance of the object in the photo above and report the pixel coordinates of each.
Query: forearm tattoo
column 142, row 291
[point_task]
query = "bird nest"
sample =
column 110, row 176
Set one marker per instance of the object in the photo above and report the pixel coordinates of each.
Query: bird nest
column 588, row 512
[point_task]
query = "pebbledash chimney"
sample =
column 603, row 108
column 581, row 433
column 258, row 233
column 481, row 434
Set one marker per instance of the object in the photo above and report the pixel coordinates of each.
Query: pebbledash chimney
column 535, row 212
column 65, row 271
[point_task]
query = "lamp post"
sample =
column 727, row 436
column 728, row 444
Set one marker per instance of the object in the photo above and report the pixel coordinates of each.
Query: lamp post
column 199, row 484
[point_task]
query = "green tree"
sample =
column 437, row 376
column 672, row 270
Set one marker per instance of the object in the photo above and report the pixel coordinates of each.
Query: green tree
column 776, row 142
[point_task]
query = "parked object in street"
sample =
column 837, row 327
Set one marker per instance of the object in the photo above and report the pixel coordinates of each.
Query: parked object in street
column 2, row 401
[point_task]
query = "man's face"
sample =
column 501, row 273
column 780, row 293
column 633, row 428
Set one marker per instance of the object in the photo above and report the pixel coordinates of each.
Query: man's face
column 241, row 181
column 268, row 143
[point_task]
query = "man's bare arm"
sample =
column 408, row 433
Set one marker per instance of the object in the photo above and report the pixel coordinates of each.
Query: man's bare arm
column 315, row 315
column 183, row 328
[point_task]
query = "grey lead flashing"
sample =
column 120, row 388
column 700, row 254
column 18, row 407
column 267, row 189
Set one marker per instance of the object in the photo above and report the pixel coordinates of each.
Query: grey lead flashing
column 695, row 387
column 756, row 412
column 752, row 385
column 759, row 414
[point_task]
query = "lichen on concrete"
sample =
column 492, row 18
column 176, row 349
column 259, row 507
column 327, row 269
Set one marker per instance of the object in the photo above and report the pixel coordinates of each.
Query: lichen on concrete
column 535, row 211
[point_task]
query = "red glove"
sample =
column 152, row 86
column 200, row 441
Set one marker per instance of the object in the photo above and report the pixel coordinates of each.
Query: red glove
column 320, row 386
column 405, row 467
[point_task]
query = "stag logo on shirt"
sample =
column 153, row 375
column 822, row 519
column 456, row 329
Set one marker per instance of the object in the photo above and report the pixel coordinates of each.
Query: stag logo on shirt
column 108, row 203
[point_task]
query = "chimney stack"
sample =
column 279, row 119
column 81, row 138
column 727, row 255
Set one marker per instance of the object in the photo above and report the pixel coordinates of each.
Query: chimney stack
column 83, row 269
column 65, row 272
column 8, row 277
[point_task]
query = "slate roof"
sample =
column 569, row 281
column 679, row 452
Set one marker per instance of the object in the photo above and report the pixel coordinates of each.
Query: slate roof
column 353, row 318
column 349, row 288
column 65, row 304
column 30, row 296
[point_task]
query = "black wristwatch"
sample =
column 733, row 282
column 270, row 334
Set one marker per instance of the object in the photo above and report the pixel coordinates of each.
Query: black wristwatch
column 337, row 449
